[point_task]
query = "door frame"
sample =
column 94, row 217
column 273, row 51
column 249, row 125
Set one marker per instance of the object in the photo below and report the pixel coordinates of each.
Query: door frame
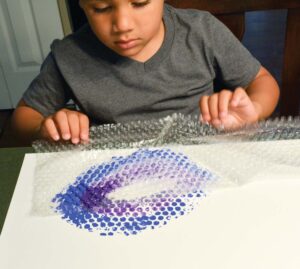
column 65, row 16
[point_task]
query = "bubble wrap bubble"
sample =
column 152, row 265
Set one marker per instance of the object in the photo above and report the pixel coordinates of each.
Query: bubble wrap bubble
column 231, row 158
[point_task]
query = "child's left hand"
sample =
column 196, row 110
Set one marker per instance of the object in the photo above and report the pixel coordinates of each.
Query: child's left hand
column 229, row 110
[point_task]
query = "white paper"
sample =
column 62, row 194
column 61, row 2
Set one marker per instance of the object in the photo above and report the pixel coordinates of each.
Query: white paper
column 252, row 226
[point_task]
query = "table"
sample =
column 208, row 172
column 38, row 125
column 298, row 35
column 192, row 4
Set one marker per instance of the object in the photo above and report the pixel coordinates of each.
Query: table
column 10, row 164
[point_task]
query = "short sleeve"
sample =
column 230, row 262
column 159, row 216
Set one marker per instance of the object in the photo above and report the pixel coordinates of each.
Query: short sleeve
column 48, row 92
column 233, row 63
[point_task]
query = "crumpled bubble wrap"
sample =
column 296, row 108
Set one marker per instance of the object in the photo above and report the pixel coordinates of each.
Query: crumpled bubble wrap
column 233, row 157
column 177, row 129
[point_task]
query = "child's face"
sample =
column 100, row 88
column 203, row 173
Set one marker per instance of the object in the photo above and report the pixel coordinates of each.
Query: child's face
column 131, row 28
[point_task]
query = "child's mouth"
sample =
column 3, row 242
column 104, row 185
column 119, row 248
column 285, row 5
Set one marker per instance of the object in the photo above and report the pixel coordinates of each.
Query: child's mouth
column 126, row 44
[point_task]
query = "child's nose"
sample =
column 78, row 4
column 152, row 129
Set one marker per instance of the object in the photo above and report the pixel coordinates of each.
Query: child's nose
column 122, row 22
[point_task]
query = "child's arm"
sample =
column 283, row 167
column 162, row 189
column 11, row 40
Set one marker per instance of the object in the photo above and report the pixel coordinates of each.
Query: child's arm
column 64, row 124
column 234, row 109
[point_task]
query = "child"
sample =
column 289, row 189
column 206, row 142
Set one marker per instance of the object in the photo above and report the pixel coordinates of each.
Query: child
column 141, row 59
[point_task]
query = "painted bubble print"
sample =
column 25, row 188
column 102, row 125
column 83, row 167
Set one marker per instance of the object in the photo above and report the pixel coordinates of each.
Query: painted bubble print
column 127, row 195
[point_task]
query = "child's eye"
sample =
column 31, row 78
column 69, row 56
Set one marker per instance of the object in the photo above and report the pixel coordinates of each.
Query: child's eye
column 141, row 4
column 101, row 10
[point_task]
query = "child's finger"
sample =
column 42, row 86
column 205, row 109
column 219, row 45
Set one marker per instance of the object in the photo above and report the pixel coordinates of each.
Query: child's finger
column 238, row 98
column 224, row 99
column 62, row 123
column 213, row 104
column 203, row 103
column 51, row 130
column 73, row 119
column 84, row 127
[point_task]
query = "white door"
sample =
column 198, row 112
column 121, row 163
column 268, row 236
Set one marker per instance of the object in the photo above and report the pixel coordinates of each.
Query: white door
column 27, row 28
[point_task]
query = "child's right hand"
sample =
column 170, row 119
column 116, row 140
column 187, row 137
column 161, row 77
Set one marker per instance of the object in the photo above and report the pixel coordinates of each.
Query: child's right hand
column 66, row 125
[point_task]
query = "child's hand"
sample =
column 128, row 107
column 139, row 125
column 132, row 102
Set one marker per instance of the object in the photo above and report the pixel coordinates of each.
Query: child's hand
column 67, row 125
column 228, row 110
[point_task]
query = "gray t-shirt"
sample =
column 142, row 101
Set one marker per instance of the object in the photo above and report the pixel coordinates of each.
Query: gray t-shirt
column 109, row 88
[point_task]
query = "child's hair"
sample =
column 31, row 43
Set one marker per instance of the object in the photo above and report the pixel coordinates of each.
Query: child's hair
column 77, row 15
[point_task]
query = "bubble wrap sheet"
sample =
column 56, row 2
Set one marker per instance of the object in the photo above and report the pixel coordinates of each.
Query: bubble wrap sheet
column 230, row 158
column 177, row 129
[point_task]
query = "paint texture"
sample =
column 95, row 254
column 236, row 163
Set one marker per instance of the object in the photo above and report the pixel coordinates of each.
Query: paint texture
column 127, row 195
